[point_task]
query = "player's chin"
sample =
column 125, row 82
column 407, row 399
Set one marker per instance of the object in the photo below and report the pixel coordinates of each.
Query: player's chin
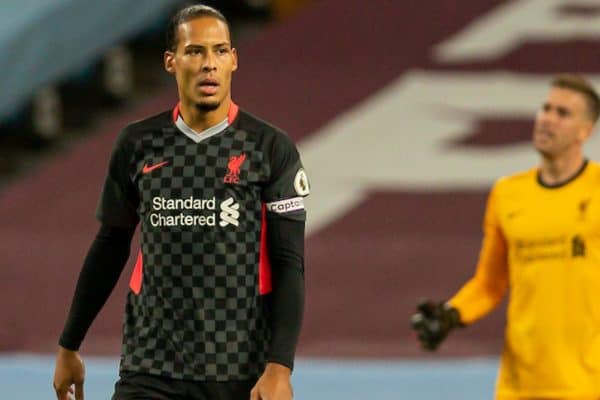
column 544, row 151
column 541, row 144
column 207, row 105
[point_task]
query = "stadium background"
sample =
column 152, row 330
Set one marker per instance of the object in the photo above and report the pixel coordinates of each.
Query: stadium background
column 405, row 113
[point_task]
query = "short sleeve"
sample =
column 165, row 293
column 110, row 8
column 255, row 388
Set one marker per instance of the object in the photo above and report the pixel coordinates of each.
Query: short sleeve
column 288, row 184
column 119, row 199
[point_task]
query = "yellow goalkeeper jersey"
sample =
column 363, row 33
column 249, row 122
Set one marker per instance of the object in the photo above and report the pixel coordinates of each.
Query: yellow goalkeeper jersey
column 544, row 244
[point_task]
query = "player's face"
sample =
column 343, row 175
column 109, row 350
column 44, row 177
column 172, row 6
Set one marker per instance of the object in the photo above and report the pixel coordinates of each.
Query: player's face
column 562, row 124
column 203, row 62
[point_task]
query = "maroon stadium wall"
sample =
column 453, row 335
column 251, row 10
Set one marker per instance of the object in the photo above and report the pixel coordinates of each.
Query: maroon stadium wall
column 365, row 270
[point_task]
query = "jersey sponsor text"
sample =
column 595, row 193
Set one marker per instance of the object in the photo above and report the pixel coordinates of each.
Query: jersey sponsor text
column 229, row 214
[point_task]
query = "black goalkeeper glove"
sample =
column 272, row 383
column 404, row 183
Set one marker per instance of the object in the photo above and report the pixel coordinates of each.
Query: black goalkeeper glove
column 433, row 322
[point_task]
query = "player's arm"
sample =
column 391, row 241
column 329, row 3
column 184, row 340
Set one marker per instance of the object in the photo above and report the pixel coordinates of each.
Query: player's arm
column 285, row 220
column 483, row 292
column 117, row 212
column 285, row 238
column 101, row 268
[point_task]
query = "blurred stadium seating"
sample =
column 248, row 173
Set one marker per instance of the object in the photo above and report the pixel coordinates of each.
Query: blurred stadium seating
column 404, row 115
column 48, row 43
column 62, row 67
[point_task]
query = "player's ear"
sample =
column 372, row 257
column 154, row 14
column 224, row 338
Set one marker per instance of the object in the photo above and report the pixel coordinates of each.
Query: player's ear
column 169, row 59
column 234, row 54
column 586, row 130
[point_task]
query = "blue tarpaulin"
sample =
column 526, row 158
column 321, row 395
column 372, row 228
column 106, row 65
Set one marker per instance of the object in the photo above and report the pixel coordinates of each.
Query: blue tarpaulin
column 43, row 41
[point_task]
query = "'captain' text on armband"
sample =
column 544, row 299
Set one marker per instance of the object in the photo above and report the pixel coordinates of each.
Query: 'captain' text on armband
column 287, row 205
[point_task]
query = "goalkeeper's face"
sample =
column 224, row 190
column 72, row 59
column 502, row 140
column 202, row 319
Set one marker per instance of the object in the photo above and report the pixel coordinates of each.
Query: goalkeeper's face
column 562, row 124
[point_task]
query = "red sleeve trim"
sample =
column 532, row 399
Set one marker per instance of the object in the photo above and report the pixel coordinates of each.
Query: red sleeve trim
column 265, row 284
column 135, row 283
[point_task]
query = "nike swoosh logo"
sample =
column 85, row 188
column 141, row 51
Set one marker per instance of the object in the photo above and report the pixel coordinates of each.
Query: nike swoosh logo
column 149, row 168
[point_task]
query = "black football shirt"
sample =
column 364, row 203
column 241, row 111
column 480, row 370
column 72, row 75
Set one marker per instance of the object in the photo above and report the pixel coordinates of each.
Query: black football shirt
column 196, row 308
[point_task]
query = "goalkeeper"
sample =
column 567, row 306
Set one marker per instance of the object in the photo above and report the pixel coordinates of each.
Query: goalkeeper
column 541, row 240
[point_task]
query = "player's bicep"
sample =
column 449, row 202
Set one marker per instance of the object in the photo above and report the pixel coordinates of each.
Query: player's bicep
column 115, row 208
column 492, row 268
column 119, row 199
column 288, row 184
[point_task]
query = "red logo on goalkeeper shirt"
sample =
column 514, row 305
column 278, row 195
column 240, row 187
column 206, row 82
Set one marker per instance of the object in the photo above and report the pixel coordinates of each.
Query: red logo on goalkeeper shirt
column 234, row 165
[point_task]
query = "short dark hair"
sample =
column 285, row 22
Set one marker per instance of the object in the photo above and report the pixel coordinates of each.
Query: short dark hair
column 579, row 84
column 187, row 14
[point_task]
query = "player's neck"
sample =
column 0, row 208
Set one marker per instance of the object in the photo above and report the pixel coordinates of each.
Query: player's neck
column 200, row 120
column 560, row 169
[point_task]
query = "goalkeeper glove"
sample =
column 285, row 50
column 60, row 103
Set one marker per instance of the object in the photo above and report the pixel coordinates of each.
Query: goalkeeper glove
column 433, row 321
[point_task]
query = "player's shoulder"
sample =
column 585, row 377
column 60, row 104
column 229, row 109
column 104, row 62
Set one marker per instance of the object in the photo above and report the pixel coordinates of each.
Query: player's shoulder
column 125, row 142
column 154, row 123
column 517, row 180
column 591, row 174
column 593, row 167
column 259, row 126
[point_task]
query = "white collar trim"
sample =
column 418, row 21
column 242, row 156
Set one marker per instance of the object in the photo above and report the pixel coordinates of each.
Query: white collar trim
column 200, row 136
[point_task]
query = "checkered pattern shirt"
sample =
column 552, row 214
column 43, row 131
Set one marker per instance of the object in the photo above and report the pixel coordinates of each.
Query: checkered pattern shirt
column 196, row 308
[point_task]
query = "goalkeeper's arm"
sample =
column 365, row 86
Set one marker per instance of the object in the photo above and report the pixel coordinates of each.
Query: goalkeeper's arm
column 483, row 292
